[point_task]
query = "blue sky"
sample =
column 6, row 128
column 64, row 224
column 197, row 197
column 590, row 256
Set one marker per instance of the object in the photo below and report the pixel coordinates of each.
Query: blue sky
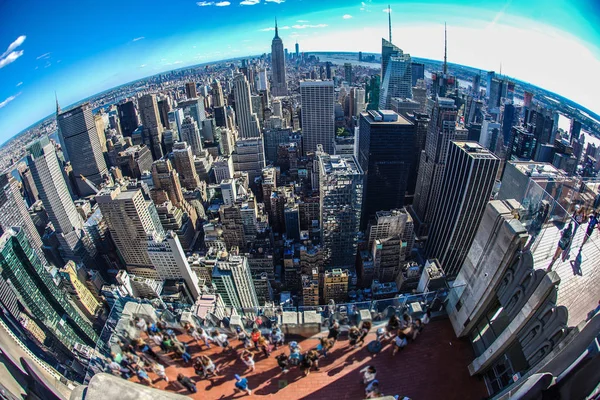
column 79, row 48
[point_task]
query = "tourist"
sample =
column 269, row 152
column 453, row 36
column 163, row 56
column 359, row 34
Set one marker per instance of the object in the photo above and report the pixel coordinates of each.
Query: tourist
column 221, row 340
column 400, row 342
column 255, row 335
column 243, row 337
column 283, row 362
column 167, row 344
column 277, row 337
column 264, row 346
column 241, row 384
column 181, row 351
column 117, row 369
column 187, row 383
column 417, row 327
column 141, row 324
column 364, row 331
column 579, row 217
column 143, row 376
column 563, row 244
column 324, row 346
column 159, row 370
column 334, row 332
column 157, row 338
column 592, row 222
column 313, row 355
column 208, row 366
column 369, row 372
column 406, row 321
column 392, row 326
column 426, row 318
column 204, row 336
column 372, row 391
column 353, row 335
column 248, row 359
column 306, row 364
column 295, row 353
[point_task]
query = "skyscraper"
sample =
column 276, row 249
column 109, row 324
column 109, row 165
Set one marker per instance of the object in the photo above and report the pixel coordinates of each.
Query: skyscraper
column 130, row 219
column 128, row 118
column 152, row 126
column 297, row 50
column 54, row 193
column 340, row 185
column 184, row 164
column 246, row 119
column 279, row 85
column 348, row 72
column 38, row 291
column 82, row 144
column 465, row 190
column 233, row 280
column 190, row 90
column 386, row 152
column 318, row 115
column 170, row 261
column 166, row 178
column 217, row 93
column 396, row 74
column 191, row 135
column 441, row 131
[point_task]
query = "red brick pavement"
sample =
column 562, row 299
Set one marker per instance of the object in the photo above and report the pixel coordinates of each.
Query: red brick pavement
column 432, row 367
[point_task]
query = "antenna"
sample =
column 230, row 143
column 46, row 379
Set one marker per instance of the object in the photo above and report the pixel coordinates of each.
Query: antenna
column 445, row 50
column 57, row 106
column 390, row 21
column 276, row 30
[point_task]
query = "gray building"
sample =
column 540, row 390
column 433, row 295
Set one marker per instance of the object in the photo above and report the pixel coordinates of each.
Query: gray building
column 152, row 126
column 82, row 145
column 318, row 117
column 278, row 81
column 396, row 74
column 246, row 118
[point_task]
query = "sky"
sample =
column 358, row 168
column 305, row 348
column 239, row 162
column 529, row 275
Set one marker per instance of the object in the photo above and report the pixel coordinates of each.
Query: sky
column 79, row 48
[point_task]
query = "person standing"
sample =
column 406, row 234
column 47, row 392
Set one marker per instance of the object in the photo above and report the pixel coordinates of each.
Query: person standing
column 248, row 359
column 592, row 222
column 221, row 340
column 334, row 332
column 364, row 331
column 400, row 342
column 241, row 384
column 159, row 370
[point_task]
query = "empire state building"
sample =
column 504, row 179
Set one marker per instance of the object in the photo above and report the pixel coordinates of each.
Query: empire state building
column 279, row 84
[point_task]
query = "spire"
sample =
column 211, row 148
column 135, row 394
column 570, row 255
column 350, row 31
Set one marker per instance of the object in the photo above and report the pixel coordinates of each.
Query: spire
column 276, row 30
column 445, row 50
column 57, row 106
column 390, row 21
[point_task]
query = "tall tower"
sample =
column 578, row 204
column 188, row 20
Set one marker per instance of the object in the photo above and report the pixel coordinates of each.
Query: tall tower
column 279, row 86
column 217, row 93
column 152, row 126
column 128, row 118
column 131, row 219
column 466, row 188
column 386, row 154
column 190, row 134
column 82, row 144
column 190, row 90
column 318, row 117
column 233, row 281
column 341, row 187
column 38, row 291
column 184, row 164
column 246, row 119
column 396, row 74
column 441, row 131
column 54, row 193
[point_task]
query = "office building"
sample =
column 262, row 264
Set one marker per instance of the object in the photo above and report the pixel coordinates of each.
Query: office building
column 249, row 156
column 417, row 72
column 128, row 118
column 341, row 188
column 465, row 190
column 37, row 290
column 348, row 72
column 82, row 145
column 73, row 282
column 246, row 119
column 166, row 179
column 190, row 90
column 318, row 117
column 310, row 288
column 358, row 96
column 217, row 94
column 191, row 135
column 170, row 261
column 396, row 74
column 278, row 81
column 523, row 144
column 183, row 157
column 386, row 154
column 130, row 219
column 233, row 281
column 153, row 128
column 55, row 196
column 441, row 131
column 335, row 285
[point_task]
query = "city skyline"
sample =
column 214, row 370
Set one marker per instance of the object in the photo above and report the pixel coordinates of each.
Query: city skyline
column 44, row 56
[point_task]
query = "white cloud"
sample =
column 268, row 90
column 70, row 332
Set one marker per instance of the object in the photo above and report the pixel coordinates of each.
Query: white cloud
column 138, row 38
column 385, row 10
column 249, row 2
column 347, row 16
column 204, row 3
column 302, row 21
column 275, row 1
column 143, row 65
column 309, row 26
column 8, row 100
column 272, row 28
column 11, row 57
column 19, row 84
column 43, row 56
column 177, row 62
column 222, row 4
column 18, row 41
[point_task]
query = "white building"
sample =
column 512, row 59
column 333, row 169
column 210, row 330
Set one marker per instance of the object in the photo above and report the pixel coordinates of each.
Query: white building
column 318, row 118
column 233, row 281
column 246, row 119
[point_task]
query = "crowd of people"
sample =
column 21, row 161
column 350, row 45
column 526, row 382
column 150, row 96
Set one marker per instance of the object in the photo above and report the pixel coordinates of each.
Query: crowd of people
column 137, row 356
